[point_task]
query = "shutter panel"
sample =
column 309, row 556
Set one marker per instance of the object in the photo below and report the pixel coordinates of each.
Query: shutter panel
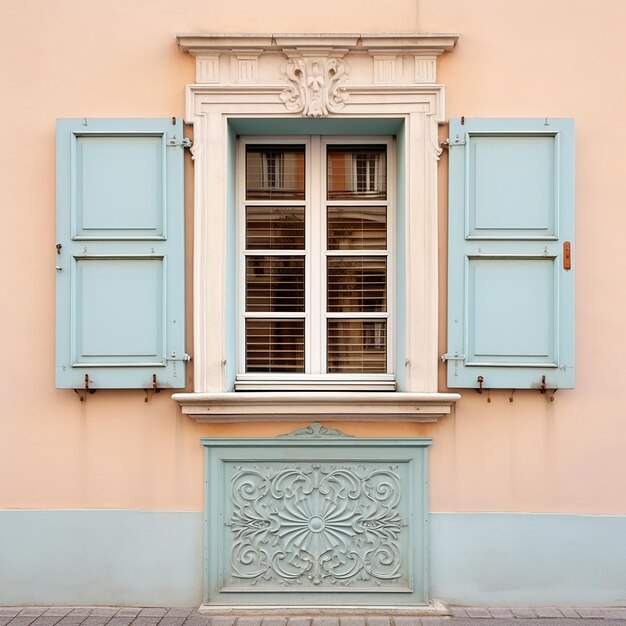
column 511, row 216
column 120, row 311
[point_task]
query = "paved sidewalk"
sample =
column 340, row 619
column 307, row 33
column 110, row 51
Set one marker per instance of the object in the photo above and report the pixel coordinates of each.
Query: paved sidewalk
column 472, row 616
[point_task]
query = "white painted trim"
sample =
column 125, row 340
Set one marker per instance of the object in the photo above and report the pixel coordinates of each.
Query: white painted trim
column 210, row 107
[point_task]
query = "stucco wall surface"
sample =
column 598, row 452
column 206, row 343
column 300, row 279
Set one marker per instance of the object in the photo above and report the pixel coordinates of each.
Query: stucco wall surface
column 560, row 58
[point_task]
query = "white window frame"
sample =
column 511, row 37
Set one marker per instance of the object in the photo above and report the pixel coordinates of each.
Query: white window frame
column 316, row 275
column 413, row 99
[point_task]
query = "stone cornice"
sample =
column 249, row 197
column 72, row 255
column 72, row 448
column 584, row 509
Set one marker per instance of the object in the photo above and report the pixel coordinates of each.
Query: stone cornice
column 400, row 43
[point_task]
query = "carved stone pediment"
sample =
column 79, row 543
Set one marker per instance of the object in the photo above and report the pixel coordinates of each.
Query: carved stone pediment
column 315, row 67
column 315, row 431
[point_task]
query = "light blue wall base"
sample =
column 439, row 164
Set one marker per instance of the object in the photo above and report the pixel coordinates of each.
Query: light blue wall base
column 528, row 559
column 154, row 558
column 101, row 557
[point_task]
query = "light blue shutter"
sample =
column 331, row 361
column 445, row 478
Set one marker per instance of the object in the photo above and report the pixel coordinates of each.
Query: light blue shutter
column 120, row 310
column 511, row 217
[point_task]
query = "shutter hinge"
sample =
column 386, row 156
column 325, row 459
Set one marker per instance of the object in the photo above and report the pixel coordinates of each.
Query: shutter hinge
column 184, row 142
column 185, row 357
column 450, row 143
column 452, row 357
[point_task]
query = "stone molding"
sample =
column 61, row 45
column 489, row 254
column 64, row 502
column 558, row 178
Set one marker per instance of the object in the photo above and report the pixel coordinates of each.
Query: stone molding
column 312, row 65
column 329, row 406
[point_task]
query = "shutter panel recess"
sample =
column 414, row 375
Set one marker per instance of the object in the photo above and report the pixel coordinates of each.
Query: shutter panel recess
column 120, row 264
column 511, row 229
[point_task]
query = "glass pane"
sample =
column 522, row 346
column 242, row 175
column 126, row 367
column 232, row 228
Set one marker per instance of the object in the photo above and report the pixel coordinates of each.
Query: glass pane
column 357, row 228
column 357, row 284
column 274, row 228
column 275, row 346
column 357, row 172
column 357, row 346
column 274, row 172
column 275, row 283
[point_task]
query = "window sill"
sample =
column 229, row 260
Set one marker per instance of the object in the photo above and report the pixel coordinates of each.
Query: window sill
column 329, row 406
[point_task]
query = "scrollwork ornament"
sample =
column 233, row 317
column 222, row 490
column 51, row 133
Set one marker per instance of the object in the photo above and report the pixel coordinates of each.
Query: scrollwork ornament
column 315, row 86
column 315, row 524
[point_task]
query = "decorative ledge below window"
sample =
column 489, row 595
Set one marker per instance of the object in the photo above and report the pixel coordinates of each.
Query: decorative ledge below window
column 329, row 406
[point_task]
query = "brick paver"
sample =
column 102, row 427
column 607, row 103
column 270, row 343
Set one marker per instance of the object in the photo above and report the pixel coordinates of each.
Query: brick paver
column 71, row 620
column 252, row 620
column 120, row 621
column 590, row 613
column 154, row 612
column 84, row 611
column 548, row 611
column 172, row 621
column 32, row 611
column 95, row 620
column 178, row 612
column 325, row 621
column 501, row 613
column 248, row 620
column 405, row 621
column 477, row 611
column 104, row 611
column 226, row 621
column 195, row 619
column 270, row 621
column 354, row 620
column 20, row 620
column 58, row 611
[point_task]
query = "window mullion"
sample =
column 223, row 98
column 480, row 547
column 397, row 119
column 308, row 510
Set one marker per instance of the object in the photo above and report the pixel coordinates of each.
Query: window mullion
column 316, row 267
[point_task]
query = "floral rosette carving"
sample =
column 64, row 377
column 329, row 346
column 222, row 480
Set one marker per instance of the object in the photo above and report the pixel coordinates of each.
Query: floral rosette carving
column 315, row 86
column 316, row 524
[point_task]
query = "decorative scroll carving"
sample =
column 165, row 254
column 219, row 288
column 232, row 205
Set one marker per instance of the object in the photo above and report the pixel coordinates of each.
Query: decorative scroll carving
column 316, row 524
column 315, row 87
column 433, row 128
column 315, row 431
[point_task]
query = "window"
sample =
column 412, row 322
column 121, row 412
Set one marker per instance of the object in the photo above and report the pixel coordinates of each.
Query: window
column 391, row 97
column 315, row 263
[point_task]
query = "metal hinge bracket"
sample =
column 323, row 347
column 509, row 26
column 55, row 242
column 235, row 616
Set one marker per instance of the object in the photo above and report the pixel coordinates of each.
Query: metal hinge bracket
column 452, row 357
column 184, row 142
column 450, row 143
column 185, row 357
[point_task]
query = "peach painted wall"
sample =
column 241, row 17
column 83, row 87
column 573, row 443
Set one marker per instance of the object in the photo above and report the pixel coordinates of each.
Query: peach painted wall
column 119, row 59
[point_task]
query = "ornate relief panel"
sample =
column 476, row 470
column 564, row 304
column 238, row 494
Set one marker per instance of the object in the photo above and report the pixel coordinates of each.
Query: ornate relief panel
column 316, row 518
column 315, row 88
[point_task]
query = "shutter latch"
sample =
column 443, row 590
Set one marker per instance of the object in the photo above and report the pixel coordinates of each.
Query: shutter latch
column 452, row 357
column 185, row 357
column 184, row 142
